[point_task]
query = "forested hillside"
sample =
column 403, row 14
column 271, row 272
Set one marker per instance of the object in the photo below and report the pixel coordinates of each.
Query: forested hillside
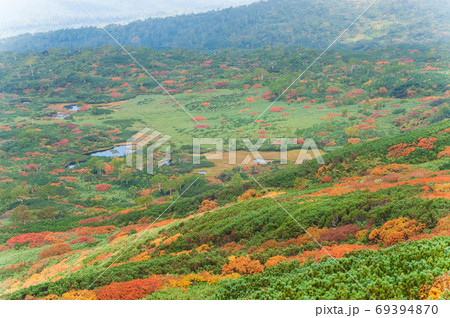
column 312, row 24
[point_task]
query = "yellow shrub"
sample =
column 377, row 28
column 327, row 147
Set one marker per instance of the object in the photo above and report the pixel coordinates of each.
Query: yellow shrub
column 79, row 294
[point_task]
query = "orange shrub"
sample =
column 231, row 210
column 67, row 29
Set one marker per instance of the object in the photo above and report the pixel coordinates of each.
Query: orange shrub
column 198, row 118
column 383, row 170
column 242, row 265
column 79, row 294
column 336, row 251
column 232, row 247
column 207, row 205
column 326, row 179
column 187, row 280
column 55, row 250
column 399, row 150
column 275, row 260
column 102, row 187
column 322, row 169
column 84, row 231
column 444, row 153
column 277, row 109
column 354, row 141
column 83, row 239
column 249, row 194
column 313, row 233
column 172, row 239
column 109, row 169
column 426, row 143
column 396, row 230
column 442, row 227
column 50, row 297
column 134, row 289
column 441, row 284
column 339, row 234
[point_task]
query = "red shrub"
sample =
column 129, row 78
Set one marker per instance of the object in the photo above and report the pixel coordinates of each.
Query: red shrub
column 135, row 289
column 71, row 126
column 102, row 187
column 198, row 118
column 83, row 239
column 339, row 234
column 267, row 95
column 399, row 121
column 353, row 93
column 221, row 84
column 31, row 239
column 332, row 90
column 277, row 109
column 92, row 220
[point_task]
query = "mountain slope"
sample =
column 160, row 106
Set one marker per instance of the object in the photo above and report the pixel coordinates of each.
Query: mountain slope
column 250, row 248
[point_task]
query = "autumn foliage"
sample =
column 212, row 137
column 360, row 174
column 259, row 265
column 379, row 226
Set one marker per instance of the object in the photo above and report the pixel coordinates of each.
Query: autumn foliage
column 135, row 289
column 30, row 239
column 275, row 260
column 55, row 250
column 249, row 194
column 426, row 143
column 206, row 206
column 400, row 150
column 383, row 170
column 242, row 265
column 339, row 234
column 444, row 153
column 440, row 286
column 102, row 187
column 198, row 118
column 396, row 230
column 79, row 295
column 83, row 239
column 277, row 109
